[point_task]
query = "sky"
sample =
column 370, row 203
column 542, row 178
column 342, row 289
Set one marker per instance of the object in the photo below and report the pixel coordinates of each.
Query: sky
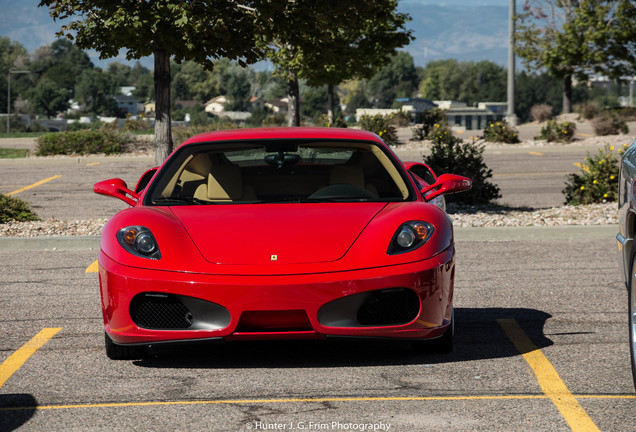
column 469, row 30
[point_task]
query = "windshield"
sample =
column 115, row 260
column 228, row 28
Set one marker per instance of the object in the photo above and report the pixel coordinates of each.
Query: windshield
column 274, row 172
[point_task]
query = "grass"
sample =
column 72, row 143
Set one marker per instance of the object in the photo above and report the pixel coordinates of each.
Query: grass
column 23, row 134
column 10, row 153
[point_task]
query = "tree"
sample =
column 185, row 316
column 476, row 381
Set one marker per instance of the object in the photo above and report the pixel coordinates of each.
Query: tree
column 329, row 42
column 94, row 90
column 49, row 98
column 13, row 56
column 398, row 79
column 574, row 38
column 468, row 82
column 201, row 30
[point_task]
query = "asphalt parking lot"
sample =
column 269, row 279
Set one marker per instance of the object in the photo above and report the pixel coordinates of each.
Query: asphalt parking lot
column 541, row 336
column 541, row 345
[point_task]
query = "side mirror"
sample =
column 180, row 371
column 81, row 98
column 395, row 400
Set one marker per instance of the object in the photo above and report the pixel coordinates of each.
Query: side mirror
column 116, row 188
column 423, row 171
column 445, row 184
column 145, row 179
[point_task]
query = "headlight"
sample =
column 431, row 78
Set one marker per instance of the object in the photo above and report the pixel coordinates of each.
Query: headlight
column 139, row 241
column 410, row 236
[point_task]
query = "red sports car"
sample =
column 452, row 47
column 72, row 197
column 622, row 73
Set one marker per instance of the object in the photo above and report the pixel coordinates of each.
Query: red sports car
column 286, row 233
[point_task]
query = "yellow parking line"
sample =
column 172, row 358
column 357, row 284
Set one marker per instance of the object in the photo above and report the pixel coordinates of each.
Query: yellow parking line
column 536, row 154
column 34, row 185
column 92, row 164
column 93, row 268
column 303, row 400
column 548, row 378
column 17, row 359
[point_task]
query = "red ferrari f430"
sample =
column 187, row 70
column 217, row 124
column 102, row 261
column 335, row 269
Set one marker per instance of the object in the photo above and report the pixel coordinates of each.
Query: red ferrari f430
column 284, row 233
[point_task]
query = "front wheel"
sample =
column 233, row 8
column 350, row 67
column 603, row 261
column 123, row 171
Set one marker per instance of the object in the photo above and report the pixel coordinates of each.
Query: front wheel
column 632, row 319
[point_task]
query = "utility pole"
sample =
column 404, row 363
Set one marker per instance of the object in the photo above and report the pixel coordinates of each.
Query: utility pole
column 511, row 118
column 9, row 96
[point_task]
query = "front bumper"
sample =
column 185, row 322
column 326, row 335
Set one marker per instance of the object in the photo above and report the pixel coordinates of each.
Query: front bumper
column 307, row 306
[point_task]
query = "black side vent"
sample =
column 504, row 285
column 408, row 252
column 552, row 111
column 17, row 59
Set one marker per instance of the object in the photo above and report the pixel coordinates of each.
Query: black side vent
column 389, row 307
column 160, row 312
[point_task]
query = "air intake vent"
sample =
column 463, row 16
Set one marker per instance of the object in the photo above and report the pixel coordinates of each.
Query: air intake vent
column 389, row 307
column 160, row 312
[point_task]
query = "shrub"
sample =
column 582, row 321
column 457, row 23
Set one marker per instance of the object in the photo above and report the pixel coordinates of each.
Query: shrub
column 609, row 124
column 589, row 109
column 450, row 154
column 541, row 113
column 15, row 209
column 598, row 180
column 182, row 133
column 500, row 132
column 429, row 119
column 401, row 119
column 138, row 124
column 82, row 142
column 557, row 132
column 381, row 126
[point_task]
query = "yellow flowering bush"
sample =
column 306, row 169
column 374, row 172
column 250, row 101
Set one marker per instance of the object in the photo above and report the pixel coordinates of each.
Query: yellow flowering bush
column 598, row 179
column 557, row 132
column 381, row 126
column 500, row 131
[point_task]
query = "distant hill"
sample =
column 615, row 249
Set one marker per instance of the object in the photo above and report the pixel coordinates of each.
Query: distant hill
column 462, row 29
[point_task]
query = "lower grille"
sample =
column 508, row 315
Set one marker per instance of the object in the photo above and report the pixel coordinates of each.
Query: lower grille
column 389, row 307
column 160, row 312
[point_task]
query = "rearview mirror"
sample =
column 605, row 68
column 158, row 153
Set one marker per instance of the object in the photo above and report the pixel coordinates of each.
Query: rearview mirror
column 116, row 188
column 445, row 184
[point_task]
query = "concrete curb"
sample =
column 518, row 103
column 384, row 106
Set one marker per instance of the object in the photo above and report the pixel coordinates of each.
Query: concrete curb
column 498, row 234
column 565, row 232
column 59, row 243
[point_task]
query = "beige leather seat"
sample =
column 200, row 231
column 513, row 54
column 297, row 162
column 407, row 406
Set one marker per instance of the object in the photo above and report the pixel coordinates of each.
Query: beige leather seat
column 350, row 174
column 225, row 184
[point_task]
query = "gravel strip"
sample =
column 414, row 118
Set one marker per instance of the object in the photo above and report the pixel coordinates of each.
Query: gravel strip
column 594, row 214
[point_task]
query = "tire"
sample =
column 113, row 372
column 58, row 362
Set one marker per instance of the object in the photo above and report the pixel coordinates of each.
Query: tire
column 124, row 352
column 631, row 296
column 441, row 345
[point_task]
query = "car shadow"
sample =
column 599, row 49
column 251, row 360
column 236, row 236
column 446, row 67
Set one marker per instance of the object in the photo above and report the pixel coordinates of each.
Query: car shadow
column 477, row 336
column 17, row 409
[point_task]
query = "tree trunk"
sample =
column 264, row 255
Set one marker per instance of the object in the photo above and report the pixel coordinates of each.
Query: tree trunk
column 330, row 105
column 567, row 94
column 163, row 127
column 293, row 105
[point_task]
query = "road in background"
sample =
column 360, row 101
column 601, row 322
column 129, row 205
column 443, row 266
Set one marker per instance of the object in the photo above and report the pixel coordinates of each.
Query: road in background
column 527, row 176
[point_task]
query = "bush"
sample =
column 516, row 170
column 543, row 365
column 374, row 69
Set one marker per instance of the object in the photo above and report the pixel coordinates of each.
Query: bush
column 598, row 180
column 401, row 119
column 429, row 120
column 500, row 132
column 450, row 154
column 541, row 113
column 15, row 209
column 589, row 109
column 82, row 142
column 609, row 124
column 557, row 132
column 138, row 124
column 182, row 133
column 381, row 126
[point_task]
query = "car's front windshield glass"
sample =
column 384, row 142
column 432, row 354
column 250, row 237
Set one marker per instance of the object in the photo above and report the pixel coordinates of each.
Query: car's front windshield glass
column 278, row 172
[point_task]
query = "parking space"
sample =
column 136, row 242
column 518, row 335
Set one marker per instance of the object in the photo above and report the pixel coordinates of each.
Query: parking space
column 541, row 345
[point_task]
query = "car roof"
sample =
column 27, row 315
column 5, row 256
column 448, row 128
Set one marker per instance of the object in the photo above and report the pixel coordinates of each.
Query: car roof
column 285, row 133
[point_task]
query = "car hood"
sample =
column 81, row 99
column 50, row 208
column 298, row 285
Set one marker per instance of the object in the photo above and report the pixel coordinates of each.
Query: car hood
column 275, row 233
